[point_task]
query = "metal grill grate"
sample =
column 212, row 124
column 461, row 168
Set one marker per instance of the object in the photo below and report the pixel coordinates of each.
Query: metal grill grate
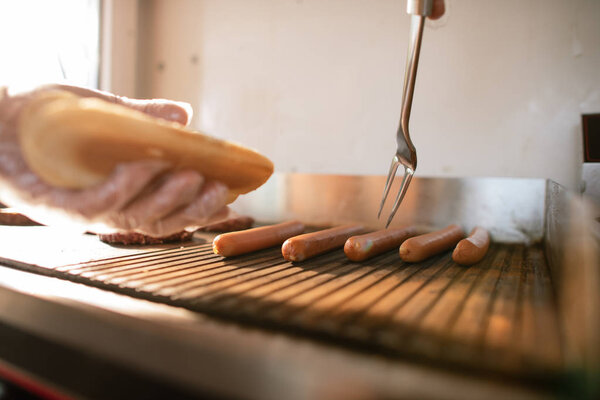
column 498, row 315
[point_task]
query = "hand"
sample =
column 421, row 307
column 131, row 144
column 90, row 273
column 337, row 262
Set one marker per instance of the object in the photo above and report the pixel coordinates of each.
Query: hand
column 143, row 196
column 438, row 9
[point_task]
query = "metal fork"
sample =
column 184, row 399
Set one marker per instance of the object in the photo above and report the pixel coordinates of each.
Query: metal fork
column 406, row 154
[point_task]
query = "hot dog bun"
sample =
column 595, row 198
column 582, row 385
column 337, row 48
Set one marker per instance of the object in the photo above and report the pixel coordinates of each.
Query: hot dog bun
column 75, row 142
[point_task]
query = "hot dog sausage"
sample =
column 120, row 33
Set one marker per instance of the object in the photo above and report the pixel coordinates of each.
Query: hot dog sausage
column 360, row 248
column 301, row 247
column 421, row 247
column 472, row 249
column 235, row 243
column 237, row 223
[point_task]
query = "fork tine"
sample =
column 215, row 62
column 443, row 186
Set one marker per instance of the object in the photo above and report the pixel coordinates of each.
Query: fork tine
column 388, row 183
column 408, row 174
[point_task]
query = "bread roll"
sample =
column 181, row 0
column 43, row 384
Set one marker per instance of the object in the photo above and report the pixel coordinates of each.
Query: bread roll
column 75, row 142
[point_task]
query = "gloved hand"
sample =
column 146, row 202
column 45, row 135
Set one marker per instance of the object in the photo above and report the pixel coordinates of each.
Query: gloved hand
column 144, row 196
column 439, row 8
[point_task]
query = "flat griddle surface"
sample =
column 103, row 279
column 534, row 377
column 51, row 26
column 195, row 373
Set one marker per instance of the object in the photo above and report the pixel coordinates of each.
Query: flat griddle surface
column 497, row 316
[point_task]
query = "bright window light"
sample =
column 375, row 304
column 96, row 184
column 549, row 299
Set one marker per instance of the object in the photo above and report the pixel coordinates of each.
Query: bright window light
column 45, row 41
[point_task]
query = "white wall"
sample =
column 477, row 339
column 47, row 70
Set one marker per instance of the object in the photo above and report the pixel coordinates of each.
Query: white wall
column 119, row 56
column 48, row 41
column 316, row 84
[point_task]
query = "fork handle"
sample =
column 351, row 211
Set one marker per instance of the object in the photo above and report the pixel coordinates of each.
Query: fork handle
column 419, row 7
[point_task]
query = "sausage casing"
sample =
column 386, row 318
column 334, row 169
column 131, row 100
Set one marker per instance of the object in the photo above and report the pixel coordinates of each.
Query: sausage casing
column 362, row 247
column 237, row 223
column 249, row 240
column 472, row 249
column 421, row 247
column 302, row 247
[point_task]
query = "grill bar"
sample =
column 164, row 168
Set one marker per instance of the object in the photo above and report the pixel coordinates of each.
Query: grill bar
column 110, row 272
column 181, row 272
column 251, row 302
column 150, row 255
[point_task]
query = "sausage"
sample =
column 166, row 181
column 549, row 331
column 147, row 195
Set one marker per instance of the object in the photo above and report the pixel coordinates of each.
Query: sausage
column 134, row 238
column 472, row 249
column 9, row 216
column 421, row 247
column 249, row 240
column 237, row 223
column 300, row 248
column 360, row 248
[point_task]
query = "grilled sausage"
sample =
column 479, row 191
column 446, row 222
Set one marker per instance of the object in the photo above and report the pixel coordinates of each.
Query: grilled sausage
column 360, row 248
column 421, row 247
column 300, row 248
column 134, row 238
column 9, row 216
column 249, row 240
column 472, row 249
column 237, row 223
